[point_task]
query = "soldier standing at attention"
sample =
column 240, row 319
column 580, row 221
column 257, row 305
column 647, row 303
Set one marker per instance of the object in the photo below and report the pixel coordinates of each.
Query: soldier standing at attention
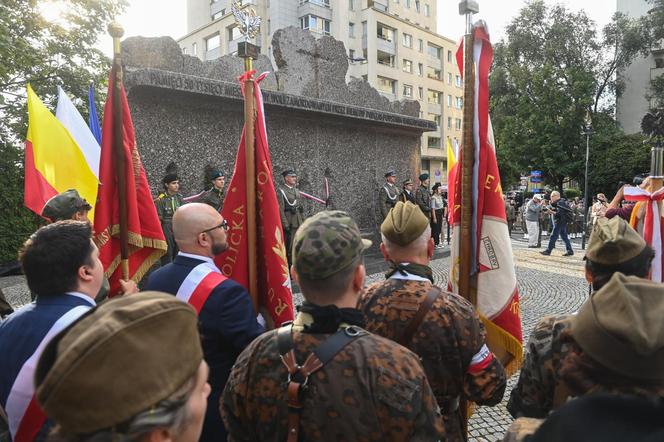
column 423, row 197
column 407, row 193
column 290, row 208
column 215, row 196
column 167, row 203
column 442, row 328
column 388, row 194
column 323, row 377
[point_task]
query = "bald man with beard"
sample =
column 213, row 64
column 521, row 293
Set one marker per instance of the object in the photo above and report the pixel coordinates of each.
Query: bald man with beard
column 227, row 321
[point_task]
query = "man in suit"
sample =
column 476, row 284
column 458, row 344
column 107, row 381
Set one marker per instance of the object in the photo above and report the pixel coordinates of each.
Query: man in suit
column 227, row 321
column 61, row 265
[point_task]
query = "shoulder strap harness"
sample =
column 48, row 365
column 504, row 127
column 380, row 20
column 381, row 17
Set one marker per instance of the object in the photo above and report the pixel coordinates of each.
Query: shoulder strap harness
column 414, row 323
column 298, row 375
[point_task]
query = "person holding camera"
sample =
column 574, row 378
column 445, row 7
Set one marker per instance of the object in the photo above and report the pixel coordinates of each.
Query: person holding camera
column 562, row 213
column 623, row 209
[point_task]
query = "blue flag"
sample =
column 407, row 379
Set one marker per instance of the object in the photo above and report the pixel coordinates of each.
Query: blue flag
column 93, row 120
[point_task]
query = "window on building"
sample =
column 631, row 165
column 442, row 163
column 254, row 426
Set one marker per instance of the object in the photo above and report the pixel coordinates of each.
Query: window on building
column 457, row 81
column 420, row 45
column 194, row 49
column 449, row 56
column 437, row 119
column 449, row 122
column 315, row 24
column 351, row 30
column 323, row 3
column 433, row 143
column 351, row 54
column 420, row 93
column 386, row 85
column 212, row 42
column 427, row 11
column 408, row 90
column 407, row 4
column 435, row 74
column 364, row 29
column 351, row 5
column 659, row 63
column 385, row 59
column 458, row 103
column 433, row 97
column 449, row 78
column 417, row 5
column 407, row 66
column 449, row 101
column 184, row 50
column 384, row 32
column 269, row 27
column 407, row 40
column 217, row 15
column 434, row 51
column 420, row 69
column 457, row 123
column 233, row 33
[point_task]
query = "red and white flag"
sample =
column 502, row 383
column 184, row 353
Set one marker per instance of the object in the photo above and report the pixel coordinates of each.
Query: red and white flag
column 652, row 224
column 492, row 259
column 274, row 286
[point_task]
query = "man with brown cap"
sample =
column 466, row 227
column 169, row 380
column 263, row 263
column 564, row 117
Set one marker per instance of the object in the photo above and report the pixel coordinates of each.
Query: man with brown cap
column 388, row 194
column 613, row 247
column 131, row 369
column 323, row 377
column 442, row 328
column 614, row 344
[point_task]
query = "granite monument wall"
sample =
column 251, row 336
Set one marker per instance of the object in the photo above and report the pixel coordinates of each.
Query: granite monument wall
column 191, row 112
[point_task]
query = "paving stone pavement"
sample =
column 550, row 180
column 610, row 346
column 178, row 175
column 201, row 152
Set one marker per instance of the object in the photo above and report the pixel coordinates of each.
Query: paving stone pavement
column 547, row 285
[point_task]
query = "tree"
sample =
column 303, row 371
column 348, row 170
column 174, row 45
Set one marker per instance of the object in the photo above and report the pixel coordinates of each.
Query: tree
column 551, row 69
column 44, row 54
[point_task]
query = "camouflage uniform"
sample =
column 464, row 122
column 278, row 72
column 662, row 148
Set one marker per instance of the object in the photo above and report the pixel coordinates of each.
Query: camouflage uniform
column 373, row 390
column 166, row 206
column 446, row 341
column 213, row 197
column 521, row 429
column 423, row 199
column 388, row 195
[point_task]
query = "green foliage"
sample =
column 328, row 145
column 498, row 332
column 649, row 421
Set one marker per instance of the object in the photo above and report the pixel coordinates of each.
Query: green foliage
column 570, row 194
column 655, row 93
column 552, row 68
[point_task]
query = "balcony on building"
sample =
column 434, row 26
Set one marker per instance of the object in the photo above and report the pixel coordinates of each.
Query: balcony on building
column 433, row 143
column 387, row 87
column 212, row 47
column 434, row 56
column 385, row 41
column 380, row 5
column 317, row 8
column 315, row 24
column 385, row 59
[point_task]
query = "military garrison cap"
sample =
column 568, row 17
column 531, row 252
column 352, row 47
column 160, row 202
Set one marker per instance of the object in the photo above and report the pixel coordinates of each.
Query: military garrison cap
column 217, row 174
column 404, row 223
column 621, row 327
column 118, row 360
column 390, row 172
column 406, row 182
column 424, row 176
column 288, row 172
column 613, row 241
column 327, row 243
column 63, row 205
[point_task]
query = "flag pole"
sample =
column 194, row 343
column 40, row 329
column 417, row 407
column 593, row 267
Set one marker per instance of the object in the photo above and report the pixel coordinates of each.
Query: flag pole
column 467, row 8
column 249, row 25
column 116, row 31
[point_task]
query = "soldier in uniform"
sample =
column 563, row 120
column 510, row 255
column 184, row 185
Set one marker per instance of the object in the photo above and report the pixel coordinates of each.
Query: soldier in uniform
column 323, row 377
column 66, row 205
column 423, row 197
column 215, row 196
column 442, row 328
column 407, row 193
column 613, row 345
column 388, row 194
column 613, row 247
column 167, row 203
column 290, row 208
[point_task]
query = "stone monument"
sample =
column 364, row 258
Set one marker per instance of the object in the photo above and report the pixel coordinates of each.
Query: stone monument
column 190, row 112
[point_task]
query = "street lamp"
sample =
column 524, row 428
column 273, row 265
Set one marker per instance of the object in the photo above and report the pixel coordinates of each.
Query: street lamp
column 587, row 131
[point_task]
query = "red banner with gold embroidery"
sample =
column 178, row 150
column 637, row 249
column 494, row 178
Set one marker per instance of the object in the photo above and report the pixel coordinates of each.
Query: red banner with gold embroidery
column 274, row 286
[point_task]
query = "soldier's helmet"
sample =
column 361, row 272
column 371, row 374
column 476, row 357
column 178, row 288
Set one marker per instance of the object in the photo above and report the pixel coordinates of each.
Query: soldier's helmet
column 64, row 205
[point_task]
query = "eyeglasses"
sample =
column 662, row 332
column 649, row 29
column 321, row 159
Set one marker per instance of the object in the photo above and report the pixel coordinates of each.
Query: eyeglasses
column 223, row 225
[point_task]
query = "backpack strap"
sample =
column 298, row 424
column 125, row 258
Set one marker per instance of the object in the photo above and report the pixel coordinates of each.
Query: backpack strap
column 298, row 375
column 414, row 323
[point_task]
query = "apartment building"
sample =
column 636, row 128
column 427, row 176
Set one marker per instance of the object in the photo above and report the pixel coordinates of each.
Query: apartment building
column 392, row 44
column 632, row 104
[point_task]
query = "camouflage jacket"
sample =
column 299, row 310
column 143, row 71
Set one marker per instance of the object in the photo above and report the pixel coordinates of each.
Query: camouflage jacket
column 447, row 340
column 214, row 198
column 522, row 428
column 167, row 205
column 533, row 395
column 388, row 196
column 423, row 199
column 373, row 390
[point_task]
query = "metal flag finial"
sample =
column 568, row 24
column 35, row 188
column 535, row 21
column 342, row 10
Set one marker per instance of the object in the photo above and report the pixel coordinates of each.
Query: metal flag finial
column 246, row 19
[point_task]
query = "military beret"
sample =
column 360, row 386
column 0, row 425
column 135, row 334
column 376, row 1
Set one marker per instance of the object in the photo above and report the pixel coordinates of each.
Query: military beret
column 118, row 360
column 169, row 178
column 64, row 205
column 404, row 223
column 327, row 243
column 620, row 326
column 288, row 172
column 424, row 176
column 390, row 172
column 217, row 174
column 408, row 181
column 613, row 241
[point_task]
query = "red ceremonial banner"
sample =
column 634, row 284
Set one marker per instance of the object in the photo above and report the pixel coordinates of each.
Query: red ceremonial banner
column 274, row 286
column 146, row 239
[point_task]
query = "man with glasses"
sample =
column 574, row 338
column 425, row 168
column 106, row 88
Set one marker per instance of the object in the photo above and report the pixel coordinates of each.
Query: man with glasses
column 227, row 321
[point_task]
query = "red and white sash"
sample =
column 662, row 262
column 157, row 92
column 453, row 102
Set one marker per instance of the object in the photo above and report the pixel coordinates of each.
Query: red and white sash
column 652, row 225
column 24, row 414
column 198, row 285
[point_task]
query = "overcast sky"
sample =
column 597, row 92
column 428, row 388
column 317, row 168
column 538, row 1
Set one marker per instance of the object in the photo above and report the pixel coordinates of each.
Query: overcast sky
column 152, row 18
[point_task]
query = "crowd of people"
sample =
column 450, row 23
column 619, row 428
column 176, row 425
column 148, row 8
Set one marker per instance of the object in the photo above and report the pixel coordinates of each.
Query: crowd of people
column 190, row 359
